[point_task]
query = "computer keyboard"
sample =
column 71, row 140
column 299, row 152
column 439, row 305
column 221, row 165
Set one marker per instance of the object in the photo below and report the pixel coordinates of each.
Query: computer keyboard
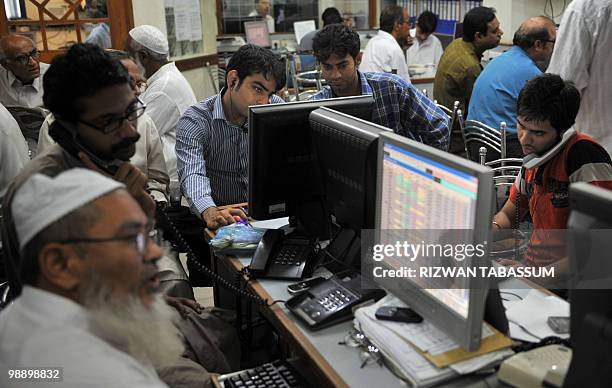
column 275, row 374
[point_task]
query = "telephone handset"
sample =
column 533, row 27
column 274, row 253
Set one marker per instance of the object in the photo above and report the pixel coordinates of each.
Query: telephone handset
column 282, row 257
column 65, row 135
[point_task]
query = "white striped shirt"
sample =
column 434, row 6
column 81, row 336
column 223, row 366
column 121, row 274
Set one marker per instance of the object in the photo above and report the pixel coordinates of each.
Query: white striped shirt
column 212, row 156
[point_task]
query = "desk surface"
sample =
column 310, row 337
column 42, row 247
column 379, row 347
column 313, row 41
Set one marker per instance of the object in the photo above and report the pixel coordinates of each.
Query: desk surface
column 339, row 365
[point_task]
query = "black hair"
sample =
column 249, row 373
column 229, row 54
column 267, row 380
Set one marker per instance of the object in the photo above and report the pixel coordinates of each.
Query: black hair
column 427, row 22
column 82, row 71
column 389, row 16
column 476, row 20
column 331, row 15
column 549, row 97
column 335, row 39
column 251, row 59
column 526, row 38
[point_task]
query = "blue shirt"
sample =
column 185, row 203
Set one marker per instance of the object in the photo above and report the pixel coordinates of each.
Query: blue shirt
column 212, row 155
column 402, row 108
column 497, row 88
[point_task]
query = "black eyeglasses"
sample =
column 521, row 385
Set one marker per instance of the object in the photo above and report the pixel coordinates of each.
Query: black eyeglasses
column 23, row 59
column 140, row 240
column 134, row 111
column 549, row 41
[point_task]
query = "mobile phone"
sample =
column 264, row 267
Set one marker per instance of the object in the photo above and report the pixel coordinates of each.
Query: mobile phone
column 560, row 325
column 398, row 314
column 304, row 285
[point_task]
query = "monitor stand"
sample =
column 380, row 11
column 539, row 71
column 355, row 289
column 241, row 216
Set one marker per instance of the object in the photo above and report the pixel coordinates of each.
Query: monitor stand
column 311, row 218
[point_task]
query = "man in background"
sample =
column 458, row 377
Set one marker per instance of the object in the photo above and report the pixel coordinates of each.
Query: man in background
column 331, row 15
column 168, row 94
column 383, row 53
column 497, row 88
column 13, row 150
column 21, row 73
column 583, row 53
column 398, row 104
column 460, row 64
column 426, row 48
column 262, row 9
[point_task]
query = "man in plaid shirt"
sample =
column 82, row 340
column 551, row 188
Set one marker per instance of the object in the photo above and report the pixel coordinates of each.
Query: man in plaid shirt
column 398, row 104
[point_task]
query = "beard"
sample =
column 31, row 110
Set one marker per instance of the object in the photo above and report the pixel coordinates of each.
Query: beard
column 147, row 333
column 543, row 64
column 141, row 68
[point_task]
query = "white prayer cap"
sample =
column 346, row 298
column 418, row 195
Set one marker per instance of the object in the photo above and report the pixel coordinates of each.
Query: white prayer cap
column 42, row 200
column 151, row 38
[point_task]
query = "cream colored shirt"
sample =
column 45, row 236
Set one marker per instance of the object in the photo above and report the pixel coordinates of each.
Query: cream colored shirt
column 13, row 92
column 583, row 54
column 41, row 329
column 13, row 150
column 382, row 54
column 149, row 157
column 425, row 53
column 168, row 96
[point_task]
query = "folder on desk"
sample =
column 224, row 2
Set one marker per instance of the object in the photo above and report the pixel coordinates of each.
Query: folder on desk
column 423, row 354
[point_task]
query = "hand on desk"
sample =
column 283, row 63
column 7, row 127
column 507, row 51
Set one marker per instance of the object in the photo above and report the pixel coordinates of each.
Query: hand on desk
column 216, row 218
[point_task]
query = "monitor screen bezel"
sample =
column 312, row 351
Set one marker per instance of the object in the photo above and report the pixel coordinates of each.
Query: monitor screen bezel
column 257, row 24
column 467, row 332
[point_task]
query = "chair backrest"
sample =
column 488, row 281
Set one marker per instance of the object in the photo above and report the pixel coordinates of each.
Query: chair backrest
column 476, row 134
column 505, row 170
column 30, row 120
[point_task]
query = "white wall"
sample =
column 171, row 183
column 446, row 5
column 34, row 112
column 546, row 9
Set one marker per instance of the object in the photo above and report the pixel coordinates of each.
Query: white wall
column 152, row 12
column 512, row 13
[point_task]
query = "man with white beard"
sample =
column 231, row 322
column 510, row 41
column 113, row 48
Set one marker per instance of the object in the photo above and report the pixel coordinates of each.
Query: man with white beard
column 89, row 304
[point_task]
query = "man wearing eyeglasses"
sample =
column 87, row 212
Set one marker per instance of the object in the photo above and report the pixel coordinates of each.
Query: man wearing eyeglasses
column 21, row 72
column 383, row 53
column 497, row 88
column 90, row 304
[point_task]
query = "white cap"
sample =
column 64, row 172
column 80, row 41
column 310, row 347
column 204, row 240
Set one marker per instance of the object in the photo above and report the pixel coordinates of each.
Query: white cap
column 42, row 200
column 151, row 38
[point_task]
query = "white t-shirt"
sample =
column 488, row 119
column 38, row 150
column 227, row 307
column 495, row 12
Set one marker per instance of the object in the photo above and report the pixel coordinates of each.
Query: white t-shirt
column 583, row 54
column 13, row 150
column 425, row 53
column 269, row 19
column 382, row 54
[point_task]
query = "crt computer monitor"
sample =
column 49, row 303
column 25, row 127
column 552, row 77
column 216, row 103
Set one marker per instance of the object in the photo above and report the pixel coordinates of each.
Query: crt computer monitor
column 422, row 188
column 283, row 169
column 346, row 148
column 257, row 33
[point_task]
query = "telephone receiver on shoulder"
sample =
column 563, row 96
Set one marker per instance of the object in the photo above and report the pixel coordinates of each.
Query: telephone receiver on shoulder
column 533, row 160
column 64, row 133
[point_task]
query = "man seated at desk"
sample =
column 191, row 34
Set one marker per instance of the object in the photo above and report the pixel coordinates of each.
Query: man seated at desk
column 212, row 140
column 426, row 48
column 262, row 9
column 398, row 104
column 557, row 156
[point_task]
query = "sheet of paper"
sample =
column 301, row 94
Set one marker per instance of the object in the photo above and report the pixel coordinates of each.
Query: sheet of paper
column 303, row 28
column 193, row 7
column 532, row 313
column 168, row 3
column 274, row 223
column 182, row 20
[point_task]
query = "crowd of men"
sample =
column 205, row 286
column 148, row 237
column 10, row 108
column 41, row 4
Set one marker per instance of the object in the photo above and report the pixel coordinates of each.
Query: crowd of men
column 123, row 127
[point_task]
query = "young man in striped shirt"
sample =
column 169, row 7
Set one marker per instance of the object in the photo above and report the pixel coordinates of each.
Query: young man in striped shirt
column 557, row 156
column 212, row 141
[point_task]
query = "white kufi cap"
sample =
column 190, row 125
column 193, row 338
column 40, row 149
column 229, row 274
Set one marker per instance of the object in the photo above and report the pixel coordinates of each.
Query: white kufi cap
column 42, row 200
column 151, row 38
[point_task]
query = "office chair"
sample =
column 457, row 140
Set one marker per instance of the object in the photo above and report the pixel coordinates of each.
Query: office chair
column 476, row 135
column 30, row 120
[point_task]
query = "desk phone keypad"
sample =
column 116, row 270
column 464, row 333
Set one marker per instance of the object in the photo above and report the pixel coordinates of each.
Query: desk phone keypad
column 330, row 302
column 274, row 374
column 292, row 252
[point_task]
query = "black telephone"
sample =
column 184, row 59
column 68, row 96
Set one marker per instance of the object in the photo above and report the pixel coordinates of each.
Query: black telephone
column 65, row 135
column 333, row 300
column 282, row 257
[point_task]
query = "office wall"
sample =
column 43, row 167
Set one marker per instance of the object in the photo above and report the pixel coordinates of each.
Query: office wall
column 152, row 12
column 512, row 13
